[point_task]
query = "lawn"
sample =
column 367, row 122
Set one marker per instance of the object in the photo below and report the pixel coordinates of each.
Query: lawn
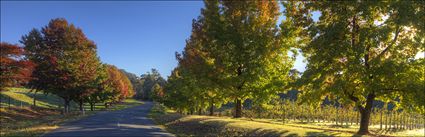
column 197, row 125
column 22, row 120
column 23, row 97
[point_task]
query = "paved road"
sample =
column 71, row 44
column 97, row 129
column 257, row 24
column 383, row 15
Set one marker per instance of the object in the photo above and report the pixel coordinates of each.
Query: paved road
column 128, row 122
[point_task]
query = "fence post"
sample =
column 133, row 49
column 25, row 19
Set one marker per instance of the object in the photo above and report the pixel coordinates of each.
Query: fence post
column 407, row 122
column 386, row 119
column 371, row 118
column 398, row 121
column 380, row 122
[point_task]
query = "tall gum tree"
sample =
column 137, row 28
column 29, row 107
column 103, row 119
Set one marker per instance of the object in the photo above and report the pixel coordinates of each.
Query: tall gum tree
column 361, row 51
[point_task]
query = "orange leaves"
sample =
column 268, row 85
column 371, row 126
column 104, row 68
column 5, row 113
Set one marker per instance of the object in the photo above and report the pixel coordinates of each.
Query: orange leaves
column 120, row 83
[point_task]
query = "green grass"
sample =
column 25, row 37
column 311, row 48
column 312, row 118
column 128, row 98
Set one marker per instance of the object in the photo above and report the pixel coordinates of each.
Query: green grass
column 125, row 104
column 196, row 125
column 23, row 97
column 22, row 120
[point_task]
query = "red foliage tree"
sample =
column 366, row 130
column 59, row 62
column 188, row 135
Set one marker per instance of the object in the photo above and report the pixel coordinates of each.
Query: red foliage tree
column 14, row 69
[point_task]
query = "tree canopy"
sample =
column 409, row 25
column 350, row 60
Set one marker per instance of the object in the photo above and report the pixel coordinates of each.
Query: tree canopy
column 360, row 51
column 15, row 69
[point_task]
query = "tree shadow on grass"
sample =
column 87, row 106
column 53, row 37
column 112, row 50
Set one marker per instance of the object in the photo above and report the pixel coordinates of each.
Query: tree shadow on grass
column 209, row 126
column 325, row 130
column 270, row 133
column 6, row 99
column 321, row 134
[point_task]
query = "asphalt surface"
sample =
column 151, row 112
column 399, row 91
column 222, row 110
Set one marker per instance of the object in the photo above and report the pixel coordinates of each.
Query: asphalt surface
column 127, row 122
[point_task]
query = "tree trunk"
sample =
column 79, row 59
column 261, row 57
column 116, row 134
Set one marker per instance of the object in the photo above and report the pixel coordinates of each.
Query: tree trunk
column 365, row 115
column 336, row 117
column 66, row 106
column 238, row 109
column 34, row 99
column 200, row 111
column 91, row 106
column 380, row 122
column 9, row 102
column 81, row 104
column 211, row 108
column 357, row 117
column 1, row 100
column 346, row 117
column 351, row 118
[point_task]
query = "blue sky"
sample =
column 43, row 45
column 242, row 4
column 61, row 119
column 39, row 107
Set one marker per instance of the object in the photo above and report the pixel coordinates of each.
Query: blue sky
column 132, row 35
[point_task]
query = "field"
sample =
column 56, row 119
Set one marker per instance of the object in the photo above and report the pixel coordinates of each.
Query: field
column 198, row 125
column 20, row 119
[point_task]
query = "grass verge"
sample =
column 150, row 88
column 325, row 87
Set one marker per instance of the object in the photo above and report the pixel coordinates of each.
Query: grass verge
column 197, row 125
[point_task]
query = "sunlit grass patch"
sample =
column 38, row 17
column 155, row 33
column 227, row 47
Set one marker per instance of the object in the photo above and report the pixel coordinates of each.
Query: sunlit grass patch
column 127, row 103
column 197, row 125
column 21, row 97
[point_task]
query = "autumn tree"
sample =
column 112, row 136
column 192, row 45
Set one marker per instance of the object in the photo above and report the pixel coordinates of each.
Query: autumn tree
column 36, row 52
column 120, row 84
column 66, row 60
column 15, row 69
column 360, row 51
column 136, row 82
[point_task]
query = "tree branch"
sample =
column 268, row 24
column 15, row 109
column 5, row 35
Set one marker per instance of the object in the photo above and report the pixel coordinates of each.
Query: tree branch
column 397, row 32
column 351, row 96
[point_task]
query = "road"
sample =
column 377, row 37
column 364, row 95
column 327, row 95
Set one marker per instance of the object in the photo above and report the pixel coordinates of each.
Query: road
column 127, row 122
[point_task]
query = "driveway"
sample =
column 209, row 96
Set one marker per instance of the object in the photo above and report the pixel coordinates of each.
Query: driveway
column 127, row 122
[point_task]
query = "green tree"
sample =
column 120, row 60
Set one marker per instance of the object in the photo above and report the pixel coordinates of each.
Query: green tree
column 359, row 50
column 157, row 93
column 197, row 67
column 249, row 53
column 102, row 92
column 148, row 80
